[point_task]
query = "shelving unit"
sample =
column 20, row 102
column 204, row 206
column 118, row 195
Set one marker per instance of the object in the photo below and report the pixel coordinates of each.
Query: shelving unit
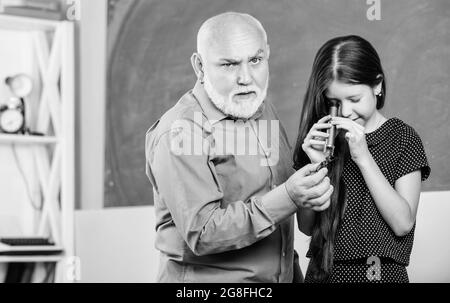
column 31, row 259
column 27, row 140
column 54, row 153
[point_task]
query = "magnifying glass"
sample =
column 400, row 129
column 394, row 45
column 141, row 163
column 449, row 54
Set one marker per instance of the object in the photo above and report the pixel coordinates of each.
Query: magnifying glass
column 329, row 144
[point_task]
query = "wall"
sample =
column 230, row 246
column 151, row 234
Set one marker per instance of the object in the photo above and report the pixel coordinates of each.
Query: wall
column 117, row 244
column 91, row 109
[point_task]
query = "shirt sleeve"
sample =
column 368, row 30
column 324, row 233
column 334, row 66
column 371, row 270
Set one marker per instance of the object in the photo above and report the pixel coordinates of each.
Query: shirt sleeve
column 412, row 155
column 187, row 185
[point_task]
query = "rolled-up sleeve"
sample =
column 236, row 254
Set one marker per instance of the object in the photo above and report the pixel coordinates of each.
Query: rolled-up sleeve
column 187, row 184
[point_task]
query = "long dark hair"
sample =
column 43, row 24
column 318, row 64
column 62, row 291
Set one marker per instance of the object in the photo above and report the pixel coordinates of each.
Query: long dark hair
column 351, row 60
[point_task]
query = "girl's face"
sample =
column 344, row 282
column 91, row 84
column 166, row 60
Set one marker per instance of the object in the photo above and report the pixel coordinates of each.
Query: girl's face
column 357, row 102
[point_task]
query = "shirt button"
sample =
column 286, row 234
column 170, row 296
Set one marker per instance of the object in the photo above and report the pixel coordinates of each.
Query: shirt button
column 284, row 254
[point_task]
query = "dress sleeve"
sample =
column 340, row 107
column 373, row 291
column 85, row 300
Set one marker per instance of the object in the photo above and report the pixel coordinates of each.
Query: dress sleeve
column 412, row 155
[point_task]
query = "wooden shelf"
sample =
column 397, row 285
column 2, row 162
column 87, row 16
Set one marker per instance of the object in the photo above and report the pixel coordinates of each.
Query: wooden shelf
column 31, row 259
column 13, row 22
column 26, row 139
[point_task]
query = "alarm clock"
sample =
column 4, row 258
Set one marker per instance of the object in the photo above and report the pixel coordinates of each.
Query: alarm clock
column 12, row 114
column 12, row 117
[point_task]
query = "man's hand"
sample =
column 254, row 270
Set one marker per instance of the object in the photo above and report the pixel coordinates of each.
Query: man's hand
column 309, row 189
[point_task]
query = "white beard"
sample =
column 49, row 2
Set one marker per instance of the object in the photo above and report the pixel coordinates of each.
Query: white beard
column 243, row 110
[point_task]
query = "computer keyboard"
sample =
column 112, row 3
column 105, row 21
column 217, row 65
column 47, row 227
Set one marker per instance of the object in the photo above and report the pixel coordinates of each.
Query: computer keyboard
column 26, row 241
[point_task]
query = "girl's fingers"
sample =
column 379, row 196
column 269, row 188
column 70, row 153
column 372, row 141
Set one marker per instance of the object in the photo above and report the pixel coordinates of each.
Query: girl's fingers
column 345, row 126
column 351, row 128
column 362, row 128
column 316, row 134
column 316, row 142
column 351, row 132
column 349, row 125
column 324, row 119
column 319, row 126
column 319, row 134
column 340, row 120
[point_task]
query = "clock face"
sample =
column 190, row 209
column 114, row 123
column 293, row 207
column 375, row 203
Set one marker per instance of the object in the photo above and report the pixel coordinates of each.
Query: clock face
column 11, row 121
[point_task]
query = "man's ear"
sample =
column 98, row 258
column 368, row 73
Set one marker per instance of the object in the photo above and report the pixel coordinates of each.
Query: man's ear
column 268, row 51
column 197, row 65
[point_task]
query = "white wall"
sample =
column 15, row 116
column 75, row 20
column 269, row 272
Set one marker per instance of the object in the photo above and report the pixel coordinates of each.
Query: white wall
column 118, row 244
column 430, row 260
column 91, row 110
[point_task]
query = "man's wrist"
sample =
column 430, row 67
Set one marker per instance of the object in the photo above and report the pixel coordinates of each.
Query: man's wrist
column 278, row 204
column 288, row 193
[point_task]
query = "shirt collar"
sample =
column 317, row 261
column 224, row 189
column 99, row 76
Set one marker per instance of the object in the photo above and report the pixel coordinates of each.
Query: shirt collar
column 212, row 113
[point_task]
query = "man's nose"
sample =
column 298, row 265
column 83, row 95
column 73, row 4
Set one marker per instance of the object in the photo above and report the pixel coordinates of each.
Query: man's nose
column 244, row 75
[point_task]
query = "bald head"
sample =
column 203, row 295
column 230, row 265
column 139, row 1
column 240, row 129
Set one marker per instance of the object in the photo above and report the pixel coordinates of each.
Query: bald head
column 232, row 63
column 218, row 30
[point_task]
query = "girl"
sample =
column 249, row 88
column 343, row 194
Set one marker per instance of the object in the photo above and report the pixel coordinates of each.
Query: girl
column 366, row 235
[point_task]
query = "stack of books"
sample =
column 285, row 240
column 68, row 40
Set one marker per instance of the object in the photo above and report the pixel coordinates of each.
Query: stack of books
column 44, row 9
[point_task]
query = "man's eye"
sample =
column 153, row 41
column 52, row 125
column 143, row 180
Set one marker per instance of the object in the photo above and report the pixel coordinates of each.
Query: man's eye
column 228, row 65
column 255, row 60
column 354, row 100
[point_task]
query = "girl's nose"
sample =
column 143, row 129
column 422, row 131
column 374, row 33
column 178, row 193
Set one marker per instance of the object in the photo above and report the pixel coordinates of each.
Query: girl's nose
column 346, row 109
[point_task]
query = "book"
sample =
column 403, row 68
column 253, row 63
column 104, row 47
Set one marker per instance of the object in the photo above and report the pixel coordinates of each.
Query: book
column 34, row 12
column 4, row 3
column 43, row 4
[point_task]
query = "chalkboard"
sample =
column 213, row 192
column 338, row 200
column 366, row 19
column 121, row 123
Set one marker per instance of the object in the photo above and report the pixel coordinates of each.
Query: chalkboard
column 151, row 41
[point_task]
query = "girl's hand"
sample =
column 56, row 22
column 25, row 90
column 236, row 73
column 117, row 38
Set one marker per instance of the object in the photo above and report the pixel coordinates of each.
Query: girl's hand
column 314, row 142
column 355, row 137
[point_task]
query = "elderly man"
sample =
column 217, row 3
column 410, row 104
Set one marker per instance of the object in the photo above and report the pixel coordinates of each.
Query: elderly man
column 220, row 166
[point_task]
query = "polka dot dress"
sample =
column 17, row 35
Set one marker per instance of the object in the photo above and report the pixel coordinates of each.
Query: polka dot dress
column 381, row 270
column 366, row 249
